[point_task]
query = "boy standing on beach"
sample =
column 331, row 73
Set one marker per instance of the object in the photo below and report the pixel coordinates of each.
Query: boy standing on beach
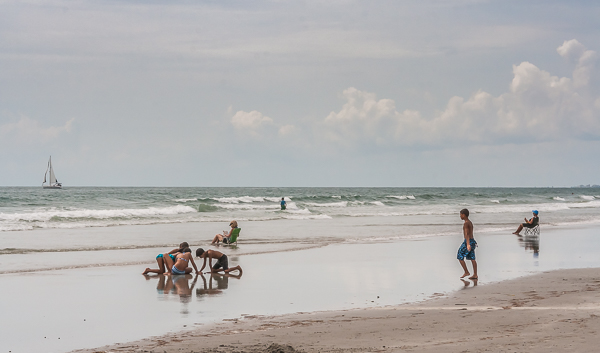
column 467, row 248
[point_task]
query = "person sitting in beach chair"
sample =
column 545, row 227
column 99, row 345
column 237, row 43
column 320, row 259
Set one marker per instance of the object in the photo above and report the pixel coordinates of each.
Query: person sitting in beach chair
column 222, row 263
column 181, row 264
column 161, row 262
column 529, row 223
column 230, row 237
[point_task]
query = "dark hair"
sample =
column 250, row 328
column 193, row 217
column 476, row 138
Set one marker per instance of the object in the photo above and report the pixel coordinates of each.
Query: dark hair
column 186, row 250
column 465, row 212
column 184, row 245
column 199, row 252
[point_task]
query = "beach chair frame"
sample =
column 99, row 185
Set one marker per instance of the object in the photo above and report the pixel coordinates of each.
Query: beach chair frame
column 533, row 231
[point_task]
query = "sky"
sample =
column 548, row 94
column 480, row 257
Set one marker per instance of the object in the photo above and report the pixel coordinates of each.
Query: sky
column 300, row 93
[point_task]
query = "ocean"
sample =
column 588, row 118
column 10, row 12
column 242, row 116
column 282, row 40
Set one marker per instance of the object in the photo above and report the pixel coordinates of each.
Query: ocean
column 31, row 208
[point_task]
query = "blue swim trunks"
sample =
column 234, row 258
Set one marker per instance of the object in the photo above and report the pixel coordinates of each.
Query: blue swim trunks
column 463, row 252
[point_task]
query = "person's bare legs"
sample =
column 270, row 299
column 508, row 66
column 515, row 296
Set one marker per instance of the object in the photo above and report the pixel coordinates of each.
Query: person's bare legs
column 161, row 267
column 169, row 263
column 238, row 268
column 217, row 239
column 519, row 230
column 464, row 266
column 474, row 269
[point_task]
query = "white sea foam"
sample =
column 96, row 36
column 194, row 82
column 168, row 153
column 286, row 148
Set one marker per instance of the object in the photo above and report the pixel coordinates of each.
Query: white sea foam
column 377, row 203
column 336, row 197
column 402, row 197
column 558, row 198
column 330, row 204
column 590, row 204
column 244, row 199
column 311, row 216
column 45, row 215
column 495, row 201
column 587, row 197
column 186, row 200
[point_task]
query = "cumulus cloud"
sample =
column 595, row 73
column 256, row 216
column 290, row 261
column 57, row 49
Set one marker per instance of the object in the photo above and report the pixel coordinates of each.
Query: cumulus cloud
column 538, row 107
column 30, row 131
column 250, row 120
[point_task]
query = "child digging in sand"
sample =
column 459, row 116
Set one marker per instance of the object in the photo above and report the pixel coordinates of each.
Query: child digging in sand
column 467, row 248
column 222, row 263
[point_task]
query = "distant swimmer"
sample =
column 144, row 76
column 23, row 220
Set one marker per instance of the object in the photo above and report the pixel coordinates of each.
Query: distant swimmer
column 529, row 223
column 282, row 203
column 221, row 263
column 467, row 248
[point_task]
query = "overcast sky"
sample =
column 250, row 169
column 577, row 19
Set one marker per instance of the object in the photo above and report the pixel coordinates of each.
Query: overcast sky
column 300, row 93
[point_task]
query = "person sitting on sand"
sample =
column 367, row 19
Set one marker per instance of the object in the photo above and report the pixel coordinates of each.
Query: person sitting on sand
column 534, row 221
column 225, row 238
column 222, row 263
column 161, row 262
column 181, row 265
column 467, row 248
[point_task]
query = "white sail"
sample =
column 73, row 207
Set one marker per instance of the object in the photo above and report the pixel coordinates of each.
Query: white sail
column 52, row 182
column 52, row 176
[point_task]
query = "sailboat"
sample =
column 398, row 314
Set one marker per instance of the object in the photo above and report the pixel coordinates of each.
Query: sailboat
column 52, row 182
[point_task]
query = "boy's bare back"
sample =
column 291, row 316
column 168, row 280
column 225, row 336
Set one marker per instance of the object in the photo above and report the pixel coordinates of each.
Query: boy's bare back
column 468, row 229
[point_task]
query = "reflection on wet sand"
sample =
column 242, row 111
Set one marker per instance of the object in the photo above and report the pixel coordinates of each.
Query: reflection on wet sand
column 531, row 242
column 468, row 283
column 222, row 283
column 177, row 285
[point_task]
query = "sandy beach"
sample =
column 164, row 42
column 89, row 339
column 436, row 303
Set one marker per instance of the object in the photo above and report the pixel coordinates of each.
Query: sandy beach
column 552, row 311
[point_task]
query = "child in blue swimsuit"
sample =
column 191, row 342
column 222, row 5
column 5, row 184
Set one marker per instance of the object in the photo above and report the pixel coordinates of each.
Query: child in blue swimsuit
column 161, row 262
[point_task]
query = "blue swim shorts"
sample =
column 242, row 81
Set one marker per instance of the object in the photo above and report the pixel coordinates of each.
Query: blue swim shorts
column 463, row 252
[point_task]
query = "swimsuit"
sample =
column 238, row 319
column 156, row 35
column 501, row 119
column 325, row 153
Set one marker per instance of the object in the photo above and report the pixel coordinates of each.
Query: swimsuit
column 463, row 252
column 177, row 271
column 161, row 255
column 221, row 262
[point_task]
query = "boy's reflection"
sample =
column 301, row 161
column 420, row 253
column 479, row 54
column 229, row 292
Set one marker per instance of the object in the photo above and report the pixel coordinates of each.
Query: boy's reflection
column 222, row 280
column 531, row 242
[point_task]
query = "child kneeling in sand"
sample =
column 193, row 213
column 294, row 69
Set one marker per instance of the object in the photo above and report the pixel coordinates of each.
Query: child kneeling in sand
column 161, row 262
column 181, row 265
column 467, row 248
column 222, row 263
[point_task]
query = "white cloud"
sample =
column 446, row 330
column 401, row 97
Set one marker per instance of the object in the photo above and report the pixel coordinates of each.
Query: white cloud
column 250, row 120
column 29, row 131
column 537, row 107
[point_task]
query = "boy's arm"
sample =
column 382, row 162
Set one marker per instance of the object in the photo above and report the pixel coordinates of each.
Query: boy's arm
column 173, row 251
column 203, row 265
column 210, row 262
column 193, row 263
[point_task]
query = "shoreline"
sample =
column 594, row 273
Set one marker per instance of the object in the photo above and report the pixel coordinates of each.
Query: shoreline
column 553, row 310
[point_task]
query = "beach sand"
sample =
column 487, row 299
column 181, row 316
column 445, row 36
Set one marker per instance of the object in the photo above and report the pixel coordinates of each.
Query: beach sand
column 546, row 312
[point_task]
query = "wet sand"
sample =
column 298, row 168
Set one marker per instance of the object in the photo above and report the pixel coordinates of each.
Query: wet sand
column 73, row 308
column 548, row 312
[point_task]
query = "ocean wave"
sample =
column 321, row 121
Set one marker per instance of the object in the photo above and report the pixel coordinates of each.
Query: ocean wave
column 590, row 204
column 495, row 201
column 377, row 203
column 330, row 204
column 587, row 197
column 244, row 199
column 47, row 215
column 402, row 197
column 186, row 200
column 557, row 198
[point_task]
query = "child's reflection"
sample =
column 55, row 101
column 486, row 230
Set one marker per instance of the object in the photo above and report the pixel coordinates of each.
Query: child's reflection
column 222, row 280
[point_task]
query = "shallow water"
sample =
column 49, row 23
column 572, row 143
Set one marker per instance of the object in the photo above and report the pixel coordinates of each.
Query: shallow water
column 61, row 310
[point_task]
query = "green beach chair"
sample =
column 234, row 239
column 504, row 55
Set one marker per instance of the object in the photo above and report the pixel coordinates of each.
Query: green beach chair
column 234, row 236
